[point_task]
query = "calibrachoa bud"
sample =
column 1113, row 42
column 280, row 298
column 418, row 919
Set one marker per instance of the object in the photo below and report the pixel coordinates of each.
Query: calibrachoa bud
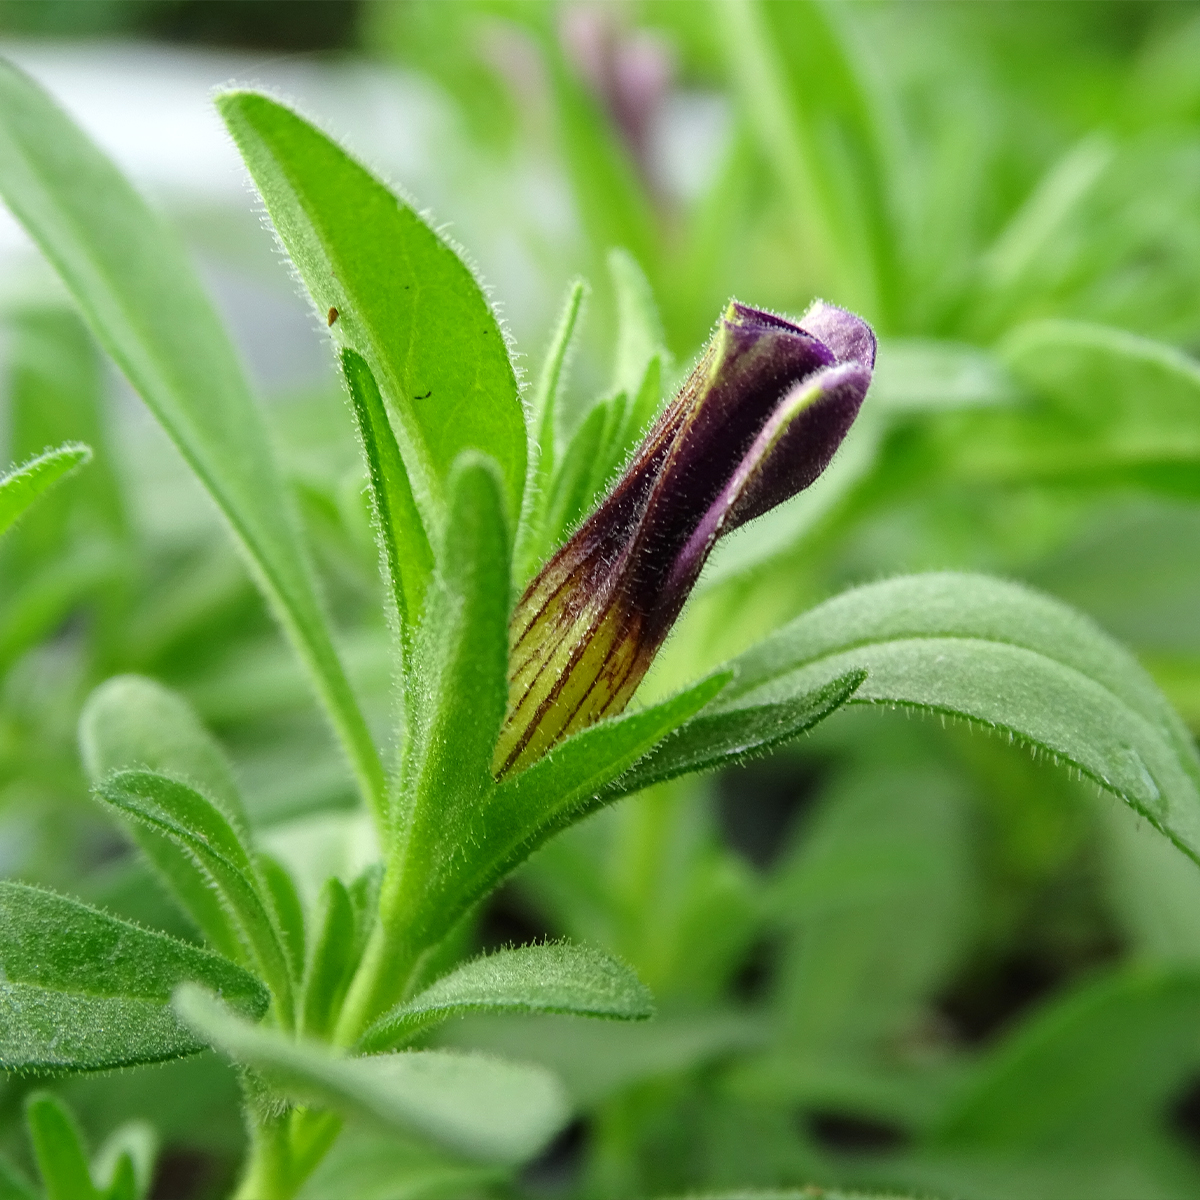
column 758, row 420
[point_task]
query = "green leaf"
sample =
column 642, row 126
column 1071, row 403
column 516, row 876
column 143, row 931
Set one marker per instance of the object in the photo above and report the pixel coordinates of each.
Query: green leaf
column 48, row 589
column 332, row 961
column 545, row 421
column 1153, row 891
column 125, row 1163
column 407, row 557
column 573, row 492
column 640, row 337
column 83, row 991
column 1107, row 408
column 289, row 913
column 557, row 978
column 197, row 826
column 56, row 393
column 129, row 721
column 1088, row 1076
column 710, row 741
column 1012, row 269
column 58, row 1148
column 415, row 313
column 462, row 660
column 644, row 405
column 555, row 792
column 373, row 1164
column 1001, row 657
column 639, row 361
column 878, row 900
column 599, row 1059
column 481, row 1107
column 23, row 485
column 802, row 94
column 13, row 1185
column 924, row 375
column 804, row 1194
column 613, row 203
column 142, row 299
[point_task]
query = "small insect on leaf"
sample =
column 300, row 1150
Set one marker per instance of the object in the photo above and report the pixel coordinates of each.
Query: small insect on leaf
column 333, row 315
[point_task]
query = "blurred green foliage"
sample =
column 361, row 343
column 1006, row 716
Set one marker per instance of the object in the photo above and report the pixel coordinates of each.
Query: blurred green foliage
column 893, row 956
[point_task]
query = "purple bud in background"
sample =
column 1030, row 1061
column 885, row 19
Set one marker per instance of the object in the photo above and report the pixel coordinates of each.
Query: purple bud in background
column 757, row 421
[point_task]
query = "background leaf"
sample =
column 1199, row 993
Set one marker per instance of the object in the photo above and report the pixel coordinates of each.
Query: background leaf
column 140, row 296
column 58, row 1148
column 1107, row 407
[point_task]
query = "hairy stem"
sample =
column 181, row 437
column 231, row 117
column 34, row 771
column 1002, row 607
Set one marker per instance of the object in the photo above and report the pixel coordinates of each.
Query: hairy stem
column 386, row 966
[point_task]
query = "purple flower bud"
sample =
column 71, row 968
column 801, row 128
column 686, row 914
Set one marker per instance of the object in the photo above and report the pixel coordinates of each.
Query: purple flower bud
column 757, row 421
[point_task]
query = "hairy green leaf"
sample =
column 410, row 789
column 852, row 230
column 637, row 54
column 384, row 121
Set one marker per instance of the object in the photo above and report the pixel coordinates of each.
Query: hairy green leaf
column 710, row 741
column 1001, row 657
column 82, row 990
column 522, row 811
column 129, row 721
column 288, row 911
column 557, row 978
column 197, row 826
column 146, row 307
column 481, row 1107
column 407, row 557
column 23, row 485
column 462, row 660
column 545, row 423
column 332, row 960
column 640, row 358
column 415, row 313
column 582, row 473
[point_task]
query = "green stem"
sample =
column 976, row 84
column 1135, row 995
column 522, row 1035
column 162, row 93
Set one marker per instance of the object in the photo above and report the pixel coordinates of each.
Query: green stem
column 268, row 1167
column 312, row 1133
column 385, row 967
column 285, row 1148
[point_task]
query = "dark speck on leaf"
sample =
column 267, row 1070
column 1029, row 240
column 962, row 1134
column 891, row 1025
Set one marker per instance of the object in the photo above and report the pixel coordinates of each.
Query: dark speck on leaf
column 333, row 315
column 426, row 396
